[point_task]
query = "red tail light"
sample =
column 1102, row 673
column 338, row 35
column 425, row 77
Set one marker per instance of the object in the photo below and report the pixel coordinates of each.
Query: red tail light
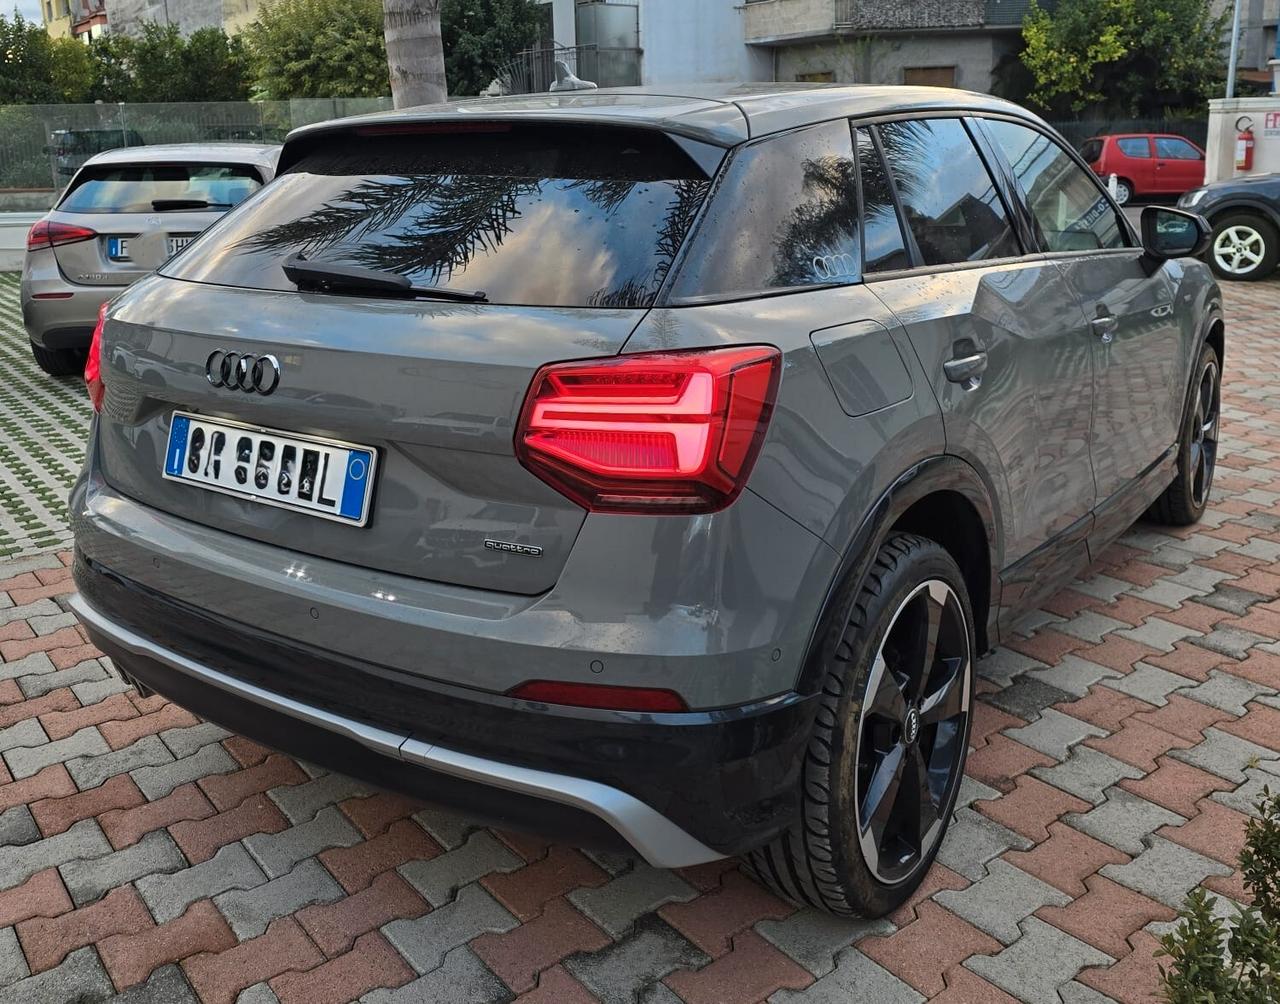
column 50, row 233
column 93, row 364
column 596, row 695
column 671, row 432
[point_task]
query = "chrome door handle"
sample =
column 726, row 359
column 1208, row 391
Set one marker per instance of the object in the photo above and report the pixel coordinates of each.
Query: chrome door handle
column 1104, row 326
column 965, row 368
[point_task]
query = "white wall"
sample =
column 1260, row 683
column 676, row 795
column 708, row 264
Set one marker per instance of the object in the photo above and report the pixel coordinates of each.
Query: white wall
column 697, row 40
column 1220, row 156
column 562, row 22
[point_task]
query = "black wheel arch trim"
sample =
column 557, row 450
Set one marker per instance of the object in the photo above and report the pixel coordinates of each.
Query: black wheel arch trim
column 1236, row 203
column 942, row 473
column 1212, row 317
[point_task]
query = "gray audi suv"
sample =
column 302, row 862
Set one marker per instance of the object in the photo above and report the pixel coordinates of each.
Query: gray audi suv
column 643, row 468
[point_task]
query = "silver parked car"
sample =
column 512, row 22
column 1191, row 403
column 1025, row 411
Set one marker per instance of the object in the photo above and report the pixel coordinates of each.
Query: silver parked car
column 643, row 468
column 122, row 214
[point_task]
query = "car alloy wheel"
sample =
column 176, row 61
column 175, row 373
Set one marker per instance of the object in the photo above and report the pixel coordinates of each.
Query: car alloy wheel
column 1239, row 249
column 1123, row 193
column 912, row 731
column 1204, row 432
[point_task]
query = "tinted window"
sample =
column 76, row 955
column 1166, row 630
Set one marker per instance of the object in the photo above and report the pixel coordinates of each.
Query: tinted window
column 1134, row 147
column 784, row 216
column 883, row 246
column 547, row 216
column 950, row 201
column 1066, row 200
column 149, row 188
column 1173, row 148
column 1091, row 150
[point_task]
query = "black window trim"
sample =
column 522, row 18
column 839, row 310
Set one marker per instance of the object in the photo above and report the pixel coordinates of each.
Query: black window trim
column 918, row 268
column 1035, row 252
column 908, row 238
column 1044, row 252
column 664, row 297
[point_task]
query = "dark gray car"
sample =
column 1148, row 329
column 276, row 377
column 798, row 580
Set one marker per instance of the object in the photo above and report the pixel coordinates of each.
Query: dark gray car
column 1245, row 216
column 640, row 467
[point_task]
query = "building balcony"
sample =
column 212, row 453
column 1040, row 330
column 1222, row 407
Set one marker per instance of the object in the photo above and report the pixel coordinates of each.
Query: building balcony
column 777, row 22
column 767, row 22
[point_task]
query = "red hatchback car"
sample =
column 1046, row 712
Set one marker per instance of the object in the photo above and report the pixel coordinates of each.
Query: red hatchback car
column 1146, row 163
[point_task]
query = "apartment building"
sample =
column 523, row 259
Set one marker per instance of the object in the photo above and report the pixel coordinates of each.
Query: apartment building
column 128, row 16
column 950, row 43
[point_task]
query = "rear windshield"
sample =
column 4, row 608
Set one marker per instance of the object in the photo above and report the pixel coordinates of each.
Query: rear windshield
column 546, row 216
column 1091, row 150
column 149, row 188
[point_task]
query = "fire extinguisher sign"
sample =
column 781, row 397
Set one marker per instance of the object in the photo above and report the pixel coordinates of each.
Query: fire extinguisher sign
column 1271, row 126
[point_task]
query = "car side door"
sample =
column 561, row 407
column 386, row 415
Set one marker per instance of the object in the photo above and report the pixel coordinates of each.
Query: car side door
column 1125, row 300
column 1179, row 165
column 1136, row 162
column 998, row 333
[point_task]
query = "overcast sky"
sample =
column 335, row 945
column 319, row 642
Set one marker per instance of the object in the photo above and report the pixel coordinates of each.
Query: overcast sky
column 30, row 9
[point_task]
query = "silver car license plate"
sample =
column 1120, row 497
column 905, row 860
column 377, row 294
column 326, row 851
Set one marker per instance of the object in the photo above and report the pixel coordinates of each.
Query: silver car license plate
column 172, row 245
column 118, row 248
column 319, row 477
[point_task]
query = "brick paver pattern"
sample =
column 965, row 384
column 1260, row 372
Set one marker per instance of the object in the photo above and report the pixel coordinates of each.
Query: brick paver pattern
column 1119, row 744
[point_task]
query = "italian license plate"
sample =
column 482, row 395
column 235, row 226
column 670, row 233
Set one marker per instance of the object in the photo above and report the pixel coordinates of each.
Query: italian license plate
column 172, row 245
column 118, row 248
column 319, row 477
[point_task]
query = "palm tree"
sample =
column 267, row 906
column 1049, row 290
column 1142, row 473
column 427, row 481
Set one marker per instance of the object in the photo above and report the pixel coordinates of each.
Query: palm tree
column 415, row 53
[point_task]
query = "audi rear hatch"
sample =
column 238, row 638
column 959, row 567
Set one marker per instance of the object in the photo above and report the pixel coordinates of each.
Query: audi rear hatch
column 568, row 231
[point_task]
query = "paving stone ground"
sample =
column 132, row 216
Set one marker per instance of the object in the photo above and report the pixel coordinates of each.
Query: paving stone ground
column 1119, row 744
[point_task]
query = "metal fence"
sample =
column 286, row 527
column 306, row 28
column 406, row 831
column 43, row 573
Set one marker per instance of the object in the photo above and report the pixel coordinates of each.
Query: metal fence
column 42, row 145
column 534, row 70
column 1077, row 131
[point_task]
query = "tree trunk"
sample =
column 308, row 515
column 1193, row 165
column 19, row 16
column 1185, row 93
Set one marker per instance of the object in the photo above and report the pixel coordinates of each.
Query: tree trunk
column 415, row 54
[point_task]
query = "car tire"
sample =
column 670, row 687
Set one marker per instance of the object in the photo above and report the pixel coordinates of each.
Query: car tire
column 825, row 859
column 1124, row 192
column 1244, row 247
column 1184, row 501
column 59, row 362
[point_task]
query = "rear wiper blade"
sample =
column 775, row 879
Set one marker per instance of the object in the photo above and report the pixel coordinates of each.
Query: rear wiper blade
column 162, row 204
column 356, row 279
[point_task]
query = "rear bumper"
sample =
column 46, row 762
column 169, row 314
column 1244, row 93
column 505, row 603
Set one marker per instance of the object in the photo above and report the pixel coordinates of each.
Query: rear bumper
column 398, row 760
column 679, row 789
column 66, row 322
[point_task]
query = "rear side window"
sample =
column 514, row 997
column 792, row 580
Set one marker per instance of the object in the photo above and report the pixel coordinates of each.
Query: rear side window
column 784, row 217
column 149, row 188
column 1067, row 201
column 1091, row 150
column 1174, row 148
column 951, row 204
column 883, row 246
column 1134, row 146
column 579, row 216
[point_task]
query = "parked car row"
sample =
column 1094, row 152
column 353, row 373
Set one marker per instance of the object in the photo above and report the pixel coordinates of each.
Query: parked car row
column 648, row 469
column 1244, row 212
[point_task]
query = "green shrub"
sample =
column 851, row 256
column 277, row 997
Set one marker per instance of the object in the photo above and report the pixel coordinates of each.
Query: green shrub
column 1210, row 965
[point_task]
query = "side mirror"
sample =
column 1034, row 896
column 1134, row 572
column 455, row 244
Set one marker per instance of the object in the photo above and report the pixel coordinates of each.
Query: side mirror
column 1174, row 233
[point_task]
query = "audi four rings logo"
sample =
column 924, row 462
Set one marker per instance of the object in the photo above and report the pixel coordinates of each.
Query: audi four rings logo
column 241, row 371
column 833, row 266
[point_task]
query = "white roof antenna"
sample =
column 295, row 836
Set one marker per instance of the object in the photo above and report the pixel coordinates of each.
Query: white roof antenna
column 566, row 81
